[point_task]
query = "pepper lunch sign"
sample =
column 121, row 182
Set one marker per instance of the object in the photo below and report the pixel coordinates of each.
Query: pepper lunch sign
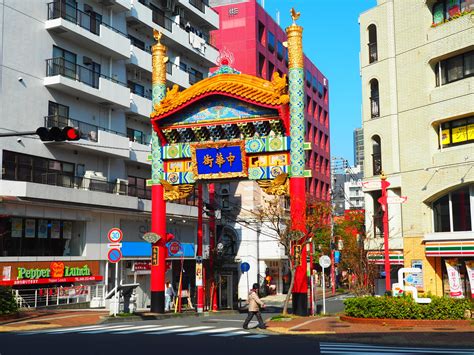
column 55, row 270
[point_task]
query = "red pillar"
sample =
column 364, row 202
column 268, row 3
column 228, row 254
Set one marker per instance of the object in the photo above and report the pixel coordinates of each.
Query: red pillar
column 200, row 291
column 298, row 220
column 212, row 246
column 384, row 204
column 158, row 254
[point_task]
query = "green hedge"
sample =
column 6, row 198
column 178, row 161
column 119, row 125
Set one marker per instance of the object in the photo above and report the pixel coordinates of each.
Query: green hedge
column 406, row 308
column 7, row 302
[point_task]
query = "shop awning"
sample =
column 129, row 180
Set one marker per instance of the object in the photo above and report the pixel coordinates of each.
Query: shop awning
column 378, row 257
column 449, row 248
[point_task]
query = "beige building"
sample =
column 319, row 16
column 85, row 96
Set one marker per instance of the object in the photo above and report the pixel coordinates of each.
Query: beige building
column 417, row 68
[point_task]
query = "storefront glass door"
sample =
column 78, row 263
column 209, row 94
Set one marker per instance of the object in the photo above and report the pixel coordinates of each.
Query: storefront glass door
column 225, row 292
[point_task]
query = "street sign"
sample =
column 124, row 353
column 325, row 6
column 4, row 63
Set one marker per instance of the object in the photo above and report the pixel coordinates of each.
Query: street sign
column 174, row 247
column 114, row 255
column 114, row 245
column 244, row 267
column 374, row 184
column 325, row 261
column 115, row 235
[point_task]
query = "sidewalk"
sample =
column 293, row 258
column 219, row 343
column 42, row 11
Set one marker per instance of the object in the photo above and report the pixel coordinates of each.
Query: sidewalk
column 333, row 329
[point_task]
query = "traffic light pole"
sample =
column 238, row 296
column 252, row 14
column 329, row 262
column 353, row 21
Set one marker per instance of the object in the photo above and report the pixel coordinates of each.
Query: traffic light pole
column 17, row 134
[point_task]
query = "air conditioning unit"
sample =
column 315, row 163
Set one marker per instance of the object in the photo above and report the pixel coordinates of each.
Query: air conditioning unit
column 94, row 181
column 121, row 187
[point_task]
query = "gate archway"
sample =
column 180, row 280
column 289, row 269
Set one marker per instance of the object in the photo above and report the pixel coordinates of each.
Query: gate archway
column 228, row 126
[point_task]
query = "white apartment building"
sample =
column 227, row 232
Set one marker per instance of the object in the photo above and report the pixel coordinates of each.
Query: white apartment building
column 87, row 64
column 417, row 67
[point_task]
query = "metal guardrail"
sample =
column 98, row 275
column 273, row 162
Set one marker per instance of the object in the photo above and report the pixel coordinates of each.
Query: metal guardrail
column 59, row 9
column 47, row 297
column 63, row 67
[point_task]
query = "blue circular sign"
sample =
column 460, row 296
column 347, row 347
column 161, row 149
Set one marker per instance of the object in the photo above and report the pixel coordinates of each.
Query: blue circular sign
column 244, row 267
column 114, row 255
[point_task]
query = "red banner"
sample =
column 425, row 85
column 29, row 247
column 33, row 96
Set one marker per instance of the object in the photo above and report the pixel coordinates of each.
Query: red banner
column 51, row 280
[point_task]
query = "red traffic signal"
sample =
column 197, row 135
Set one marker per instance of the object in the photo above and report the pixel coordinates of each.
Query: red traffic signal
column 57, row 134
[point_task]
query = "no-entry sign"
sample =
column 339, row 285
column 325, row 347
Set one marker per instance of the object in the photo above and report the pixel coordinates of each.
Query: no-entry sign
column 174, row 247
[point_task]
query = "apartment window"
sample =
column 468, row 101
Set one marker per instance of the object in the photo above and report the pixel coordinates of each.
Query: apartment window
column 374, row 99
column 136, row 88
column 308, row 78
column 137, row 43
column 22, row 167
column 455, row 68
column 64, row 63
column 315, row 84
column 225, row 198
column 279, row 50
column 57, row 113
column 137, row 187
column 453, row 211
column 457, row 132
column 261, row 64
column 449, row 9
column 136, row 136
column 194, row 76
column 271, row 68
column 372, row 29
column 261, row 33
column 271, row 42
column 158, row 17
column 376, row 155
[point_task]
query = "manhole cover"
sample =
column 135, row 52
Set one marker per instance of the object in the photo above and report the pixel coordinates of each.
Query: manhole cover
column 444, row 328
column 38, row 322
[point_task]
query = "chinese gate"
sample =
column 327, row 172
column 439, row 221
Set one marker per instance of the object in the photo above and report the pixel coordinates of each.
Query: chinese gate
column 228, row 126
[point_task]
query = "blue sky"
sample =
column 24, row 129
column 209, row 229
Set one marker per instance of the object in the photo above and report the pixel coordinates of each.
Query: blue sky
column 331, row 41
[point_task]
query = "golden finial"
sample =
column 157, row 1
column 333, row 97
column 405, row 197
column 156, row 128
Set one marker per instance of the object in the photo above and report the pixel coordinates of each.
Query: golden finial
column 383, row 176
column 157, row 35
column 295, row 15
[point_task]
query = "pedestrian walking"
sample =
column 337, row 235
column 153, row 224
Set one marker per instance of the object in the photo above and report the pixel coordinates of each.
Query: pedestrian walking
column 169, row 295
column 254, row 303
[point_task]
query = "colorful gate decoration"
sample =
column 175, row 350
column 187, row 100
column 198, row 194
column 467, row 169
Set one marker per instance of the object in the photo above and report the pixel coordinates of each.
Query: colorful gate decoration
column 229, row 126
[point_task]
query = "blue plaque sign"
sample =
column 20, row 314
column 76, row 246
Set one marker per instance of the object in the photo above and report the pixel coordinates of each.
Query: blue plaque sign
column 217, row 160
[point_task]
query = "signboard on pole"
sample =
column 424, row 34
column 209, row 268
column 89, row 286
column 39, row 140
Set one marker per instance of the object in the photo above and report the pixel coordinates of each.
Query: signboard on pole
column 114, row 255
column 374, row 184
column 325, row 262
column 244, row 267
column 198, row 271
column 115, row 235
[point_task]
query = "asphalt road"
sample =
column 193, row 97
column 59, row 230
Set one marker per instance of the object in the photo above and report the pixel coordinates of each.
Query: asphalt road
column 215, row 334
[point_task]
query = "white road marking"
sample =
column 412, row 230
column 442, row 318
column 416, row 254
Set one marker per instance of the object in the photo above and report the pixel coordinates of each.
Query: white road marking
column 104, row 329
column 163, row 330
column 257, row 336
column 231, row 334
column 353, row 348
column 210, row 331
column 137, row 329
column 179, row 330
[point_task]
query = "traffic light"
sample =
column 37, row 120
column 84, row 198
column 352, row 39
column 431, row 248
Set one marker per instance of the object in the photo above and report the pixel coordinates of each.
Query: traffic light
column 58, row 134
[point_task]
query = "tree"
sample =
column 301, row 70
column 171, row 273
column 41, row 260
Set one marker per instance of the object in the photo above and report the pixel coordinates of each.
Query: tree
column 350, row 229
column 275, row 217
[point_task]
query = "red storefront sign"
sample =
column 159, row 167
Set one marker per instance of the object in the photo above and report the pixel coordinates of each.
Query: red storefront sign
column 142, row 265
column 50, row 280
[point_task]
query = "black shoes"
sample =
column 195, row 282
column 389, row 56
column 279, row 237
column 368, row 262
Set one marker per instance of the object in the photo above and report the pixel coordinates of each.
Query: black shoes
column 245, row 327
column 264, row 327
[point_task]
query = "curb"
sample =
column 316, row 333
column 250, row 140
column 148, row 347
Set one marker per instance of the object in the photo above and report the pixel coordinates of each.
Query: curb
column 157, row 316
column 408, row 322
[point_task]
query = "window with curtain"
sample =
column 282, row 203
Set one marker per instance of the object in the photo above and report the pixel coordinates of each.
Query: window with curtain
column 453, row 212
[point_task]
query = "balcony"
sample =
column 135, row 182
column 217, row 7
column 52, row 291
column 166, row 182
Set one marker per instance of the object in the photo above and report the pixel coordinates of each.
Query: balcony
column 140, row 104
column 82, row 82
column 199, row 10
column 116, row 5
column 140, row 58
column 86, row 30
column 99, row 139
column 176, row 35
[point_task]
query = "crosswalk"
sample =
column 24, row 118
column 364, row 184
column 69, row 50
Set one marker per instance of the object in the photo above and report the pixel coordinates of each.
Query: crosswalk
column 353, row 348
column 152, row 330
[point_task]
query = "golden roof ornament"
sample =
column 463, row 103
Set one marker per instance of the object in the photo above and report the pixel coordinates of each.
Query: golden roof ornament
column 157, row 36
column 294, row 15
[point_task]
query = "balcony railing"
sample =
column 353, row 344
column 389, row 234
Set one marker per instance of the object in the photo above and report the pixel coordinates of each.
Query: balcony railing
column 87, row 131
column 199, row 4
column 88, row 21
column 372, row 52
column 63, row 67
column 374, row 107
